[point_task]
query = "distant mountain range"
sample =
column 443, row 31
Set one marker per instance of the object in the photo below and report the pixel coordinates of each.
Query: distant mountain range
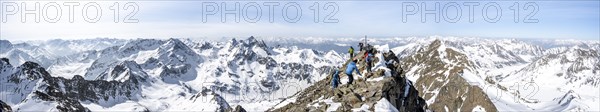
column 449, row 73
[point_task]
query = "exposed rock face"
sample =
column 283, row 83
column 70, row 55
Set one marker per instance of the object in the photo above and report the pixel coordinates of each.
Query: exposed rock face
column 236, row 109
column 223, row 106
column 5, row 107
column 361, row 94
column 439, row 70
column 65, row 104
column 33, row 72
column 68, row 92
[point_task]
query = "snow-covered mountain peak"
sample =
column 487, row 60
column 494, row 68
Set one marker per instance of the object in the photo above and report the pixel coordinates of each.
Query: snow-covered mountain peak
column 140, row 45
column 438, row 71
column 126, row 70
column 583, row 52
column 256, row 46
column 22, row 52
column 251, row 40
column 67, row 47
column 175, row 44
column 571, row 100
column 5, row 45
column 18, row 57
column 176, row 49
column 29, row 71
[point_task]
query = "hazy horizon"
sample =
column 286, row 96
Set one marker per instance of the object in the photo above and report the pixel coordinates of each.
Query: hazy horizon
column 195, row 19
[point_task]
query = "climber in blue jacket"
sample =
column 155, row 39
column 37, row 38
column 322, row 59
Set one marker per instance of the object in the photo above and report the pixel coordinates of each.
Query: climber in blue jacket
column 350, row 68
column 335, row 80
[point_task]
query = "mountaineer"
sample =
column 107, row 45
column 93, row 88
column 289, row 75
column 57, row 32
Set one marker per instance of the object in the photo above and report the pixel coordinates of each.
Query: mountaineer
column 360, row 46
column 369, row 60
column 335, row 79
column 350, row 68
column 351, row 51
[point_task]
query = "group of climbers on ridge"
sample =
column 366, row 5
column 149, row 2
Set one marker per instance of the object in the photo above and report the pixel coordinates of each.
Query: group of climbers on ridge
column 368, row 60
column 351, row 66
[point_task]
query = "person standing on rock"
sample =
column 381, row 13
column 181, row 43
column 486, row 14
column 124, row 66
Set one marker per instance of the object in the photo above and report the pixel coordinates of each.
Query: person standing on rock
column 351, row 67
column 335, row 79
column 360, row 46
column 351, row 51
column 369, row 59
column 364, row 57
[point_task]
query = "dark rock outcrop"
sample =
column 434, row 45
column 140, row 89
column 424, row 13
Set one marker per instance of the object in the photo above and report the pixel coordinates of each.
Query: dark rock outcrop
column 237, row 108
column 68, row 92
column 5, row 107
column 439, row 70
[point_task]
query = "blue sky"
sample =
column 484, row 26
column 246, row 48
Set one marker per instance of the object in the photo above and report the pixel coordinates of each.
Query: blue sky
column 183, row 19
